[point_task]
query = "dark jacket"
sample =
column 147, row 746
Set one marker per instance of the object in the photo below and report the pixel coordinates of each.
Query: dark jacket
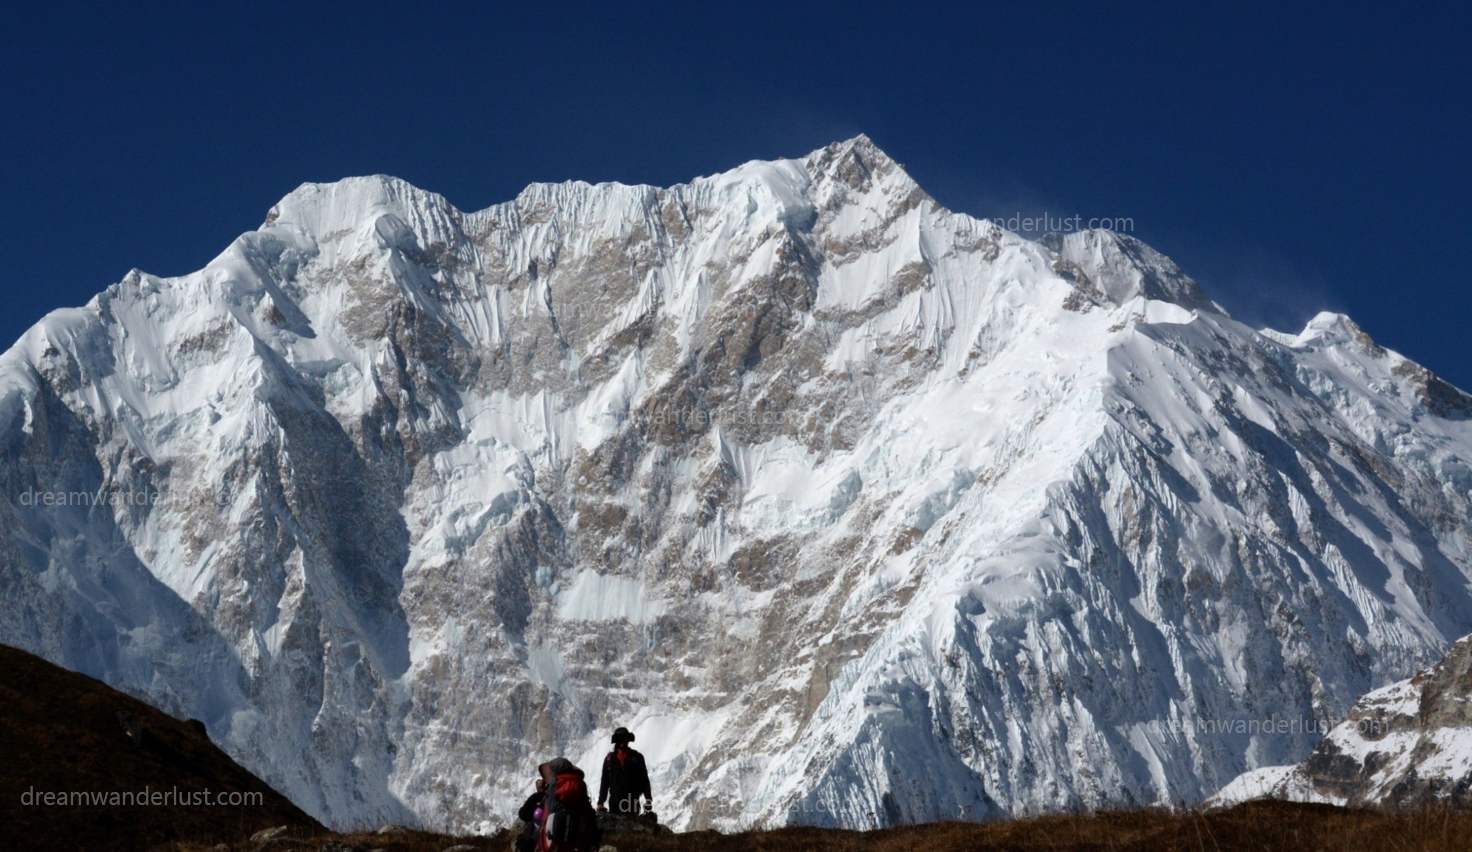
column 528, row 811
column 527, row 842
column 624, row 781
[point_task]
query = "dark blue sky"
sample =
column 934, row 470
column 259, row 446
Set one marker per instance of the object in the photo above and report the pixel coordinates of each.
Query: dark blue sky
column 1290, row 159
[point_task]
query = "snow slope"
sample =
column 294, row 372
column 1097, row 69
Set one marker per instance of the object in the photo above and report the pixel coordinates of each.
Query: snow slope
column 858, row 511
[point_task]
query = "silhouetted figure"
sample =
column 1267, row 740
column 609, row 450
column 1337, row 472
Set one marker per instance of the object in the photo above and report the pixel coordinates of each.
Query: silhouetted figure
column 625, row 778
column 531, row 818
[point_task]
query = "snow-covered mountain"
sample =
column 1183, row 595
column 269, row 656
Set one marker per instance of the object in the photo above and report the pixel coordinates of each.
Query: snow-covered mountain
column 856, row 510
column 1403, row 746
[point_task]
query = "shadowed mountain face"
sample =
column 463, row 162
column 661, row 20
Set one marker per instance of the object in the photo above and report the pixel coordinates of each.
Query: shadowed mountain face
column 1404, row 746
column 65, row 733
column 856, row 510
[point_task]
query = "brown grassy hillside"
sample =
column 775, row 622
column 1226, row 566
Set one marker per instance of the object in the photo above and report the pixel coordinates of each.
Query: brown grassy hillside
column 62, row 731
column 1259, row 826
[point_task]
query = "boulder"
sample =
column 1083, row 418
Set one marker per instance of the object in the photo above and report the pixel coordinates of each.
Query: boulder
column 268, row 834
column 648, row 823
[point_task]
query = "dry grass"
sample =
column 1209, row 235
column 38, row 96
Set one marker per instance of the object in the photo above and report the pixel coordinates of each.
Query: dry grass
column 60, row 731
column 1258, row 826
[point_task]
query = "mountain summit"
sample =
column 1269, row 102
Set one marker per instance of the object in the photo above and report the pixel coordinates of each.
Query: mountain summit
column 856, row 510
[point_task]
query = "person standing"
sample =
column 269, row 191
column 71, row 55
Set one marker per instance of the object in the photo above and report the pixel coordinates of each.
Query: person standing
column 625, row 778
column 531, row 818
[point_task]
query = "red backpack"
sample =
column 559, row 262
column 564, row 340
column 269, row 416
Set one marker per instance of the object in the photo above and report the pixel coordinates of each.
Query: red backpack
column 569, row 824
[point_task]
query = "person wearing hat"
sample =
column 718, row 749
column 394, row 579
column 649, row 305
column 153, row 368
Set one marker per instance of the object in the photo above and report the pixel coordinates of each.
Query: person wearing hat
column 625, row 777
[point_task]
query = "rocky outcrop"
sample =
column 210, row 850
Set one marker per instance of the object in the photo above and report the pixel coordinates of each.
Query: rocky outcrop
column 1407, row 745
column 611, row 823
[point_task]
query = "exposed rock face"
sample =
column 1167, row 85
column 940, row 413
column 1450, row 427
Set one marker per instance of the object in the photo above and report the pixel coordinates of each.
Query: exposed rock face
column 856, row 510
column 1406, row 745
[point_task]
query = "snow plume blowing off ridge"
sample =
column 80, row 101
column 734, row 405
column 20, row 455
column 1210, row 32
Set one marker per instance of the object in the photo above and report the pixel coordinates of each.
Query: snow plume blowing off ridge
column 856, row 510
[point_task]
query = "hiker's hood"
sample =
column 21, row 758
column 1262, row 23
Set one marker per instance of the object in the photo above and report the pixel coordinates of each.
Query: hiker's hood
column 559, row 766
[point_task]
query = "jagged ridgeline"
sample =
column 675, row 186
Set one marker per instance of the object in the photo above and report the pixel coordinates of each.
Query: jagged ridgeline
column 858, row 511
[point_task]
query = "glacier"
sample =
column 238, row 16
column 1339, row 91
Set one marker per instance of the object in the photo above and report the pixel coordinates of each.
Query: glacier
column 858, row 511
